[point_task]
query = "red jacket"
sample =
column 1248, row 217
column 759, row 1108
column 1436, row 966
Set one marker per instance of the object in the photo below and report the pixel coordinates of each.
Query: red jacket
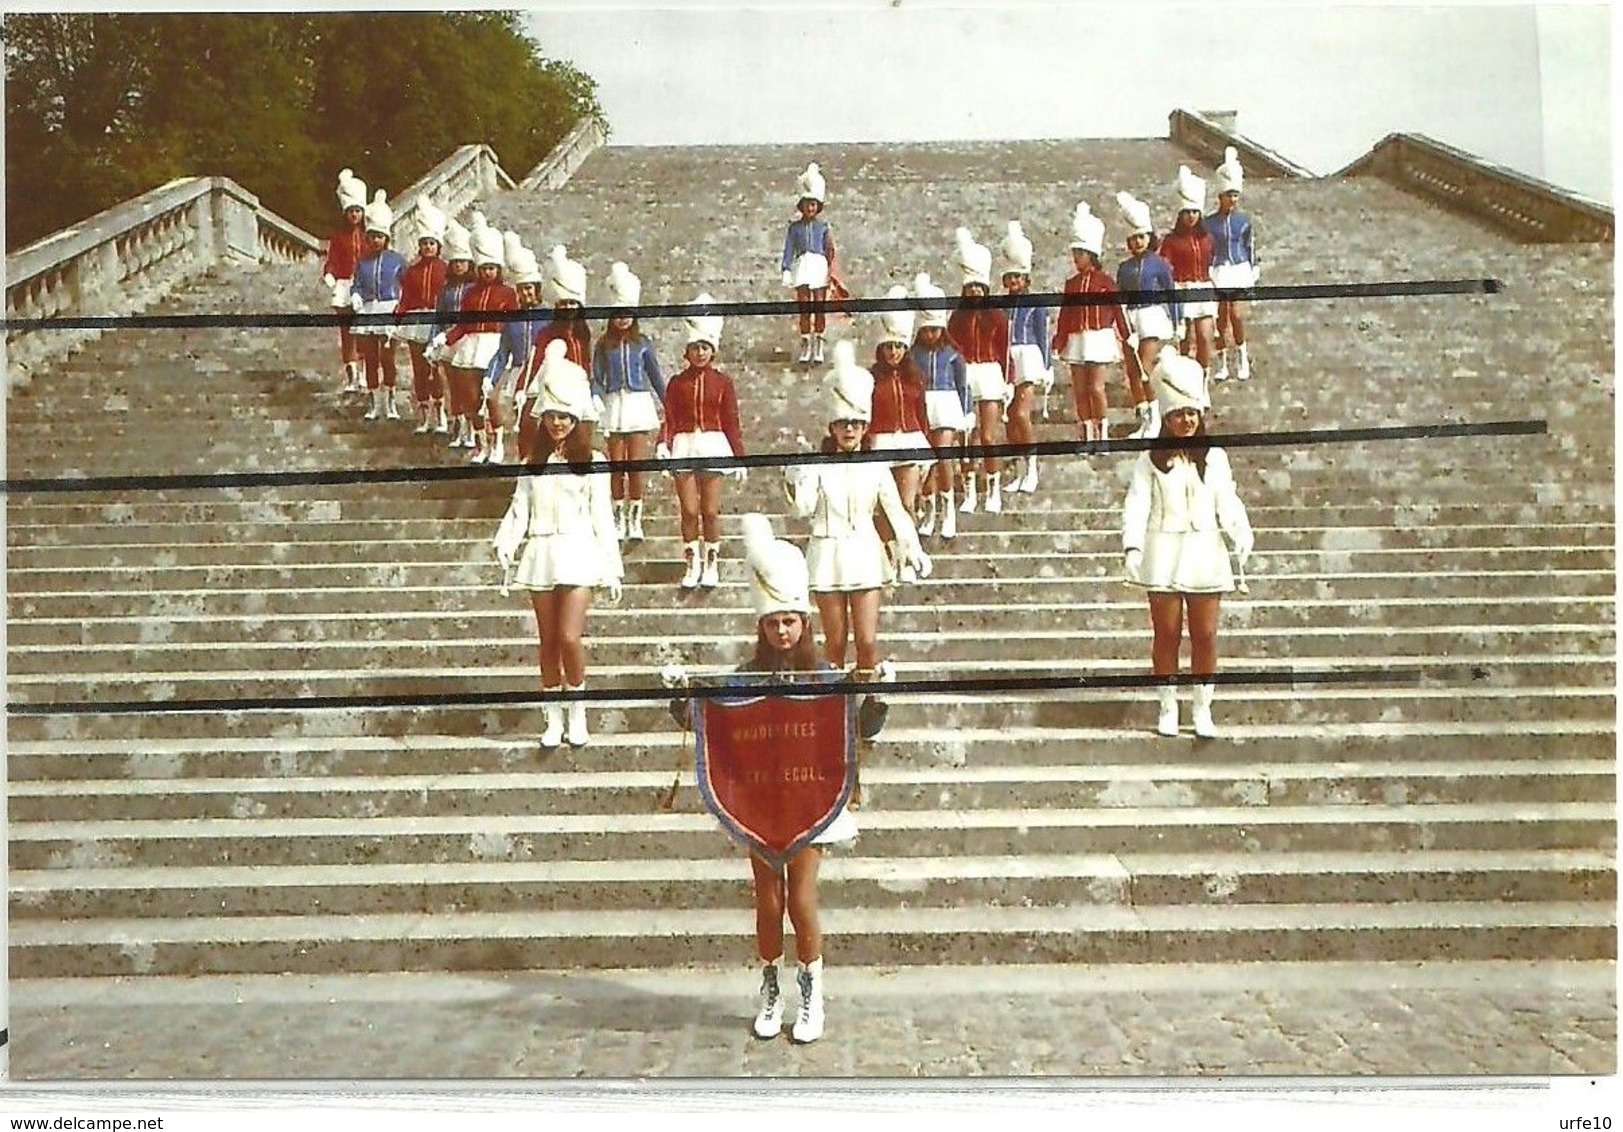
column 1190, row 254
column 497, row 296
column 580, row 348
column 702, row 400
column 421, row 285
column 898, row 400
column 345, row 248
column 981, row 335
column 1072, row 320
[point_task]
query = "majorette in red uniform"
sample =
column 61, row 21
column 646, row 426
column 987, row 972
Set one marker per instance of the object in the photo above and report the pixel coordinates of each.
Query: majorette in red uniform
column 344, row 250
column 419, row 292
column 981, row 334
column 473, row 341
column 900, row 416
column 701, row 420
column 564, row 284
column 1188, row 248
column 1089, row 338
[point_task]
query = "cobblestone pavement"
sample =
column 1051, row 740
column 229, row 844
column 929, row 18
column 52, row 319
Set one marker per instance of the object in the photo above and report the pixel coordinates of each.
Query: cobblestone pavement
column 1340, row 1020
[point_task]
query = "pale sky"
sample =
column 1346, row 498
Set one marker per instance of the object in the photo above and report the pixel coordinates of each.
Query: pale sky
column 1525, row 85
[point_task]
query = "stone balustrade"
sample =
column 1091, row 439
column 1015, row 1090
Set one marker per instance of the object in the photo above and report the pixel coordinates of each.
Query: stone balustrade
column 1206, row 138
column 127, row 257
column 567, row 156
column 470, row 174
column 1523, row 207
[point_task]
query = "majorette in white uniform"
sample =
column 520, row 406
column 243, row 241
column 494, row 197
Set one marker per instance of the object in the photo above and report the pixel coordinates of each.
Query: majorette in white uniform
column 1176, row 518
column 628, row 410
column 1154, row 320
column 845, row 552
column 1192, row 196
column 566, row 518
column 474, row 351
column 975, row 266
column 897, row 326
column 779, row 584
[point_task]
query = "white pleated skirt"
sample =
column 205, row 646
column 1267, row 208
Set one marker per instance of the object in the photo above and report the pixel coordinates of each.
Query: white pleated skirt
column 1200, row 308
column 632, row 410
column 944, row 410
column 701, row 446
column 1195, row 562
column 845, row 564
column 376, row 329
column 1026, row 363
column 474, row 351
column 1227, row 275
column 889, row 441
column 809, row 270
column 985, row 381
column 1093, row 347
column 1149, row 322
column 558, row 560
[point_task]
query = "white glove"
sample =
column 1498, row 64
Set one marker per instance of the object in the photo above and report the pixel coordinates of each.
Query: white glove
column 1048, row 380
column 739, row 474
column 520, row 396
column 328, row 281
column 788, row 279
column 505, row 557
column 436, row 345
column 356, row 303
column 673, row 676
column 662, row 452
column 487, row 387
column 885, row 672
column 1135, row 563
column 615, row 592
column 921, row 564
column 1256, row 273
column 1242, row 548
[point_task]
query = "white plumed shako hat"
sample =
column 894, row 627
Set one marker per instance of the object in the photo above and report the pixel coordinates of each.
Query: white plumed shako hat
column 1191, row 190
column 625, row 289
column 488, row 247
column 1230, row 176
column 1087, row 230
column 566, row 279
column 897, row 325
column 565, row 388
column 704, row 327
column 974, row 260
column 524, row 266
column 1180, row 383
column 1016, row 251
column 430, row 221
column 512, row 251
column 849, row 387
column 1136, row 213
column 779, row 581
column 929, row 316
column 811, row 184
column 351, row 190
column 378, row 216
column 458, row 242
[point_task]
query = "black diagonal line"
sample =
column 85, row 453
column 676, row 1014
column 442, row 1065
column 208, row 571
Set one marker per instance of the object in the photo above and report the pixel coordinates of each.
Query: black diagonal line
column 204, row 480
column 1410, row 675
column 291, row 320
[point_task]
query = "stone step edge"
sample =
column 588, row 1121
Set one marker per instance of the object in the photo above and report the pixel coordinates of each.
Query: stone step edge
column 875, row 820
column 835, row 868
column 891, row 737
column 1078, row 920
column 564, row 781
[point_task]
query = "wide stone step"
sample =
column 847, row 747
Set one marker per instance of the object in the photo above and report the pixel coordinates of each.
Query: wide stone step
column 885, row 785
column 885, row 832
column 1142, row 880
column 276, row 745
column 1085, row 933
column 619, row 657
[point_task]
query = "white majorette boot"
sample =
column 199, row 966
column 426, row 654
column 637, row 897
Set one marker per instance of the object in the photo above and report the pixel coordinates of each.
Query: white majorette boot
column 805, row 349
column 620, row 519
column 968, row 505
column 552, row 715
column 442, row 423
column 575, row 715
column 352, row 377
column 1143, row 430
column 498, row 450
column 634, row 520
column 692, row 552
column 1244, row 373
column 425, row 419
column 1167, row 722
column 376, row 410
column 808, row 1026
column 710, row 576
column 817, row 350
column 769, row 1014
column 481, row 452
column 1220, row 370
column 927, row 524
column 1016, row 477
column 390, row 409
column 949, row 518
column 994, row 493
column 1101, row 429
column 1201, row 717
column 1028, row 482
column 456, row 432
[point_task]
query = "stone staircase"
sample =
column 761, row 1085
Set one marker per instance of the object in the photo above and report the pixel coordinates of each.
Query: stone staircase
column 1462, row 816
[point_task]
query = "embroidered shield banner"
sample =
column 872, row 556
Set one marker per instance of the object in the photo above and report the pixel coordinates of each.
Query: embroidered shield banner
column 776, row 770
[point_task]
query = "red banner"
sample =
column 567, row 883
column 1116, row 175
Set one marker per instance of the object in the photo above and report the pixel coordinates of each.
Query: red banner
column 776, row 770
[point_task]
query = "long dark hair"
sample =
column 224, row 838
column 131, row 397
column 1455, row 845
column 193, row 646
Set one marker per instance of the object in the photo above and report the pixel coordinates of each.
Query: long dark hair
column 801, row 658
column 1198, row 227
column 574, row 328
column 576, row 448
column 906, row 368
column 612, row 336
column 1196, row 448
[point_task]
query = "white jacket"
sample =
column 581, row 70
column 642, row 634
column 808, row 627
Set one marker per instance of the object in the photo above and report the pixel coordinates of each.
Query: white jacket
column 1178, row 501
column 841, row 499
column 564, row 503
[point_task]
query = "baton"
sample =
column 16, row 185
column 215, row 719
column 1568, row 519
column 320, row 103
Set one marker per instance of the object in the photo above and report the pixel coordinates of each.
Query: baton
column 507, row 577
column 1240, row 585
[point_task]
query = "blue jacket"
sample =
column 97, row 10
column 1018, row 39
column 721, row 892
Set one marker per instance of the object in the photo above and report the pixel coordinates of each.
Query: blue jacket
column 378, row 277
column 1028, row 326
column 1148, row 272
column 450, row 304
column 805, row 236
column 942, row 369
column 1231, row 238
column 517, row 338
column 627, row 365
